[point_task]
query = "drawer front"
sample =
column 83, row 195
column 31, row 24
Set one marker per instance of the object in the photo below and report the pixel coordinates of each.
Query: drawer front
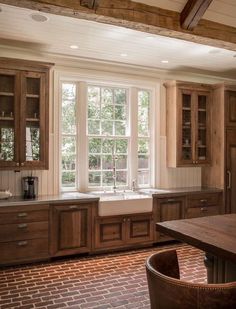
column 23, row 216
column 24, row 250
column 195, row 212
column 12, row 232
column 206, row 199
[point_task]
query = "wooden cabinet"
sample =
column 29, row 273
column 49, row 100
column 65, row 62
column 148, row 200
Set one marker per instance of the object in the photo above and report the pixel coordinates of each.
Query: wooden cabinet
column 204, row 204
column 166, row 209
column 24, row 96
column 188, row 124
column 230, row 108
column 71, row 229
column 24, row 234
column 123, row 231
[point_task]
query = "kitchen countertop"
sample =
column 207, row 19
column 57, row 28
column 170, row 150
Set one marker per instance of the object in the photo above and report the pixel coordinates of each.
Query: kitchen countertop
column 86, row 197
column 49, row 199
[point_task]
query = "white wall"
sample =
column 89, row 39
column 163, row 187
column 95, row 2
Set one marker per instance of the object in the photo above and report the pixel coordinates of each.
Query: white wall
column 49, row 180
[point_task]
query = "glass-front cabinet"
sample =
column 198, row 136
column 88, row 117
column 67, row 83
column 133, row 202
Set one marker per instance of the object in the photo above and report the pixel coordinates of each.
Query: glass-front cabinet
column 188, row 124
column 23, row 114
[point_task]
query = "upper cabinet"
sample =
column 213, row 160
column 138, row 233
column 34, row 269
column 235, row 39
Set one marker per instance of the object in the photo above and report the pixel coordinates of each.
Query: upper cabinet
column 188, row 124
column 24, row 96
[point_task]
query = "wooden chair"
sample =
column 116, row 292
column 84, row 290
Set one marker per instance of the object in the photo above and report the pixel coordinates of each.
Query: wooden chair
column 167, row 291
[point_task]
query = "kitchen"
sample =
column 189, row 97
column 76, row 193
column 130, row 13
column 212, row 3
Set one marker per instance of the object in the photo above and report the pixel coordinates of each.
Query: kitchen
column 74, row 144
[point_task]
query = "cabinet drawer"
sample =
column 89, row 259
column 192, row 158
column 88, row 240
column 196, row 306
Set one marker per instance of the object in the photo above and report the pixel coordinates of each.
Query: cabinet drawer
column 22, row 216
column 195, row 212
column 206, row 199
column 12, row 232
column 24, row 250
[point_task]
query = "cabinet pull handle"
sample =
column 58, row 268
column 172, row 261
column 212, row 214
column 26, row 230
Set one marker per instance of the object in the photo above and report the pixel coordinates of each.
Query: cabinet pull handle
column 171, row 200
column 22, row 243
column 22, row 214
column 204, row 209
column 124, row 220
column 22, row 164
column 22, row 226
column 73, row 207
column 229, row 180
column 17, row 164
column 203, row 201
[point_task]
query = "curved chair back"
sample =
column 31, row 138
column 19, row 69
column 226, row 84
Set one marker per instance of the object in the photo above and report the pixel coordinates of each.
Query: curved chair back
column 167, row 291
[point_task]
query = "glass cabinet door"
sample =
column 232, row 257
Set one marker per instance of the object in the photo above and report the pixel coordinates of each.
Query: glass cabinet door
column 203, row 125
column 186, row 154
column 9, row 131
column 32, row 155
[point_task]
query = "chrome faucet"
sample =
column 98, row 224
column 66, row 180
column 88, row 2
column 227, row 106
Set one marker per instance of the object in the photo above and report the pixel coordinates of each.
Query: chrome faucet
column 133, row 185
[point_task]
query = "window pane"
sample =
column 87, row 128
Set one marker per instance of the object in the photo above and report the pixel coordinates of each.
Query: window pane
column 107, row 178
column 121, row 162
column 108, row 146
column 143, row 112
column 68, row 108
column 68, row 145
column 120, row 128
column 121, row 178
column 143, row 178
column 121, row 146
column 68, row 162
column 107, row 96
column 107, row 163
column 94, row 127
column 94, row 162
column 143, row 146
column 143, row 161
column 107, row 112
column 94, row 179
column 93, row 111
column 107, row 127
column 120, row 112
column 68, row 179
column 95, row 145
column 94, row 94
column 119, row 96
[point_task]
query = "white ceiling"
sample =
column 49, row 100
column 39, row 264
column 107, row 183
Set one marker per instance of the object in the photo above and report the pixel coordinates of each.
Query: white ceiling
column 105, row 42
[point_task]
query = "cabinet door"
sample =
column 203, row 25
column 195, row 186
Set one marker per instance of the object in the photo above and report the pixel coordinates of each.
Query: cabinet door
column 202, row 153
column 110, row 232
column 230, row 176
column 230, row 108
column 185, row 123
column 139, row 229
column 168, row 209
column 71, row 229
column 9, row 122
column 34, row 121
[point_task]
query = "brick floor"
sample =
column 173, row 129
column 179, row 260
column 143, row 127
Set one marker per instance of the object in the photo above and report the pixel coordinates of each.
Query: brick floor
column 116, row 280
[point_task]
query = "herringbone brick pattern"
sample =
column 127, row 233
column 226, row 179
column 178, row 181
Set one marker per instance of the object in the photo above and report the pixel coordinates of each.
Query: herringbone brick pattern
column 116, row 280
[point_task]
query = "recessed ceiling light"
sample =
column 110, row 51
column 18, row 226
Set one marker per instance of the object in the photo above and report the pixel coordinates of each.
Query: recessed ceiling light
column 39, row 17
column 123, row 55
column 74, row 46
column 165, row 61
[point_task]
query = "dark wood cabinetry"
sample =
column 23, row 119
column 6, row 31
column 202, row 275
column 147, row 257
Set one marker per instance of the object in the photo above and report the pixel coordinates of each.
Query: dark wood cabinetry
column 71, row 229
column 122, row 231
column 188, row 124
column 201, row 205
column 24, row 234
column 166, row 209
column 230, row 177
column 24, row 96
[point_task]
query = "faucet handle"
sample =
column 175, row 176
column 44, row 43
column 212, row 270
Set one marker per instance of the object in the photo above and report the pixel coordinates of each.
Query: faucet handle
column 133, row 184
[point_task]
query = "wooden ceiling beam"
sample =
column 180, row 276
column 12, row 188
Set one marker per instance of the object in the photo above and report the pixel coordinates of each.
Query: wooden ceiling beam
column 193, row 12
column 137, row 16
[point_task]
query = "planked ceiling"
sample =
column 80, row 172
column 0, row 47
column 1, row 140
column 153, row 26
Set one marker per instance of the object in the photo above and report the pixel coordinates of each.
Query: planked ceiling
column 114, row 44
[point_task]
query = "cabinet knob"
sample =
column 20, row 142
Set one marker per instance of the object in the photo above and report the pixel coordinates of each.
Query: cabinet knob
column 22, row 214
column 22, row 243
column 196, row 162
column 203, row 209
column 124, row 220
column 22, row 226
column 17, row 164
column 203, row 201
column 128, row 220
column 22, row 164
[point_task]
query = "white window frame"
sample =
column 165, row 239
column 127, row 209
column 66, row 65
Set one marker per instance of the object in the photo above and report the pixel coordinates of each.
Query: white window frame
column 82, row 139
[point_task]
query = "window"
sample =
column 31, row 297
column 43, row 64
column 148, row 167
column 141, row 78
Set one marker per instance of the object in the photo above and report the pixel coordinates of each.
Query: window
column 112, row 147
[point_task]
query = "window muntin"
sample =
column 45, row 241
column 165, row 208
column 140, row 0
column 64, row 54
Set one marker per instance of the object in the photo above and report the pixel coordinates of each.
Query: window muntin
column 107, row 127
column 143, row 138
column 69, row 136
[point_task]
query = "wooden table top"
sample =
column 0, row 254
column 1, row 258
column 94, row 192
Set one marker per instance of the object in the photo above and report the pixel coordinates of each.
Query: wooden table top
column 213, row 234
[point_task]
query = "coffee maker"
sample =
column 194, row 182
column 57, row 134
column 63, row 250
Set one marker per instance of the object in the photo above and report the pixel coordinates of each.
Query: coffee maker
column 30, row 187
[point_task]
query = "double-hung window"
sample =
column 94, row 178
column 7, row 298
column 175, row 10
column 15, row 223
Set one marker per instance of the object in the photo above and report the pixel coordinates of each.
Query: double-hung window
column 115, row 149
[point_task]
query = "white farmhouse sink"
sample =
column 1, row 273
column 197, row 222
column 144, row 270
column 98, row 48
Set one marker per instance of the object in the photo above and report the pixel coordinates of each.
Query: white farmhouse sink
column 124, row 203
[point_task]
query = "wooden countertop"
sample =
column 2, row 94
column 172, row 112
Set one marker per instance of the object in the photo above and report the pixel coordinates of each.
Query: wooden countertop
column 213, row 234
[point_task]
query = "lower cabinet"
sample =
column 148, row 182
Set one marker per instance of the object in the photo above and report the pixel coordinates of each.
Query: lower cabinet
column 123, row 231
column 24, row 234
column 201, row 205
column 71, row 229
column 166, row 209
